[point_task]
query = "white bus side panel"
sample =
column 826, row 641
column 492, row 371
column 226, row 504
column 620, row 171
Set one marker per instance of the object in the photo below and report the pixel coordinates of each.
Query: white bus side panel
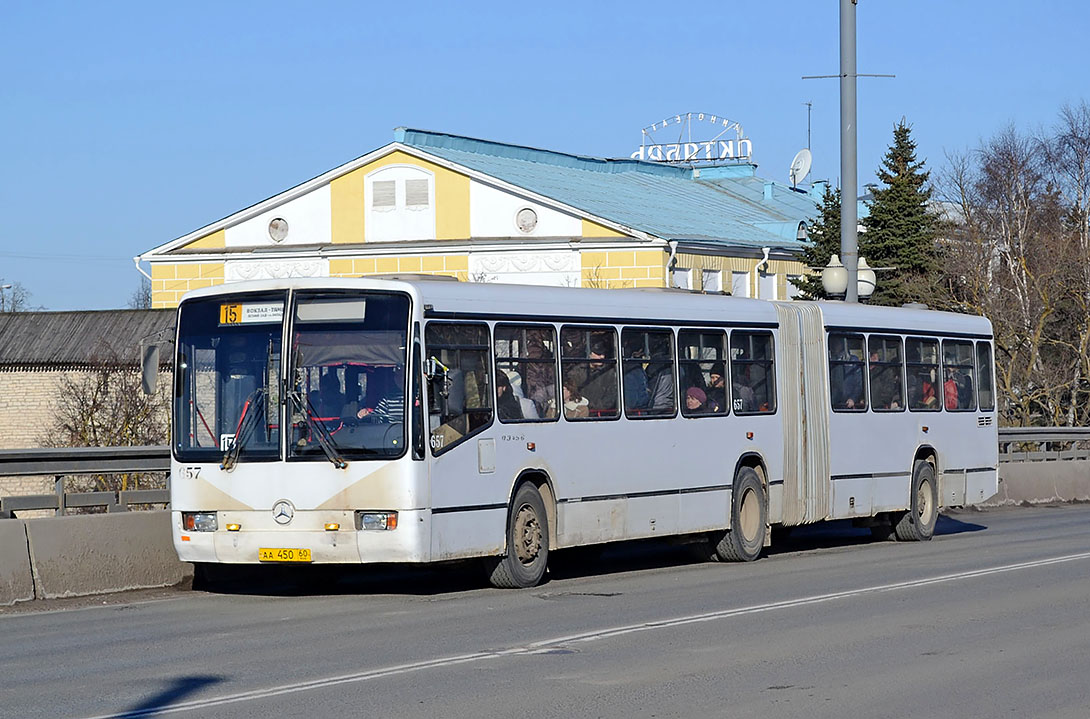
column 613, row 480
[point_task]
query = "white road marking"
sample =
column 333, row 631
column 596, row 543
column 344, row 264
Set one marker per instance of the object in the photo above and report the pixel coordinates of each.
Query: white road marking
column 585, row 637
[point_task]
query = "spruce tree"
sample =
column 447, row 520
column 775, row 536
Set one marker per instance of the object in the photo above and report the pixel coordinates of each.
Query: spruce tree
column 823, row 241
column 900, row 231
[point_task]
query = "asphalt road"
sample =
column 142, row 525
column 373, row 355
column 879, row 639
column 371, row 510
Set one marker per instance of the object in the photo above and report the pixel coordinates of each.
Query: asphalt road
column 990, row 619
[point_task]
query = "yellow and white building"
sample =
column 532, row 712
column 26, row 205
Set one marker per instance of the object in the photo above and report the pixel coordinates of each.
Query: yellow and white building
column 487, row 211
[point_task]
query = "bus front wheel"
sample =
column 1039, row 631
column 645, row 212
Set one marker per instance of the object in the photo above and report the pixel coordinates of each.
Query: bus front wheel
column 745, row 539
column 527, row 543
column 918, row 523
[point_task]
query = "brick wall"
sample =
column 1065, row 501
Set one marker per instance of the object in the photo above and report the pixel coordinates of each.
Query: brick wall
column 26, row 415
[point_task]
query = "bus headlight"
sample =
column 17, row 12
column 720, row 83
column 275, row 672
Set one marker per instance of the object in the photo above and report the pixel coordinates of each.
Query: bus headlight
column 376, row 520
column 199, row 521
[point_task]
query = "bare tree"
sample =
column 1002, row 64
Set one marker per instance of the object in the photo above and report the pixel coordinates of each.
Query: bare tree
column 14, row 297
column 140, row 299
column 1067, row 153
column 1009, row 256
column 104, row 406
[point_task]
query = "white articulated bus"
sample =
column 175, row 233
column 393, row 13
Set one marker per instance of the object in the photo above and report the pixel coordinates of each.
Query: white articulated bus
column 425, row 420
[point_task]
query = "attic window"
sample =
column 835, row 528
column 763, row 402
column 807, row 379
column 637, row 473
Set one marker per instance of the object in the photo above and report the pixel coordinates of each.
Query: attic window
column 383, row 195
column 416, row 193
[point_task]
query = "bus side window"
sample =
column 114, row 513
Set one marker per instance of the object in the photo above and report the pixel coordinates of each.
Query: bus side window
column 525, row 373
column 922, row 365
column 588, row 366
column 702, row 366
column 648, row 365
column 846, row 371
column 887, row 391
column 958, row 370
column 752, row 373
column 985, row 391
column 460, row 395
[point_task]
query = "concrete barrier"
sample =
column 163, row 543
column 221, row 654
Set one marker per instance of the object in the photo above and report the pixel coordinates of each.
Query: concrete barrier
column 1042, row 483
column 16, row 582
column 99, row 553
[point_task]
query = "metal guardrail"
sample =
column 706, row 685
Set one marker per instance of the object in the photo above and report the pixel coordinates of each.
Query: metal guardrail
column 1043, row 444
column 61, row 462
column 1016, row 444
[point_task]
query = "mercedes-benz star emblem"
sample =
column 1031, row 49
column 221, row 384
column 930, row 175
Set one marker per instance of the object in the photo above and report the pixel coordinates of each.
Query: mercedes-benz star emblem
column 283, row 511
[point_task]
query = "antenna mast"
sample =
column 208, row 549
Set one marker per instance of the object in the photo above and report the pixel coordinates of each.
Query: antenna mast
column 809, row 105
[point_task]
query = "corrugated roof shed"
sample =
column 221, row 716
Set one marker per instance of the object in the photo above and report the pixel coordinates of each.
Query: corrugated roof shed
column 717, row 205
column 71, row 340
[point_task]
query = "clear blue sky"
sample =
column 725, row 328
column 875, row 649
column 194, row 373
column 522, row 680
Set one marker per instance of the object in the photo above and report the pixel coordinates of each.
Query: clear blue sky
column 126, row 125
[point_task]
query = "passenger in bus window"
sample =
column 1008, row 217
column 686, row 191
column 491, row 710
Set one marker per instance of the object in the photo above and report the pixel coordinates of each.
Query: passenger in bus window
column 696, row 402
column 846, row 377
column 660, row 385
column 600, row 387
column 328, row 400
column 507, row 404
column 540, row 384
column 921, row 391
column 965, row 390
column 741, row 388
column 391, row 408
column 950, row 389
column 885, row 389
column 717, row 386
column 575, row 405
column 635, row 382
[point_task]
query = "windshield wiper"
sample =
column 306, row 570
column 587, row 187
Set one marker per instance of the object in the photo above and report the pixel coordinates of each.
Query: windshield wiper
column 246, row 423
column 325, row 439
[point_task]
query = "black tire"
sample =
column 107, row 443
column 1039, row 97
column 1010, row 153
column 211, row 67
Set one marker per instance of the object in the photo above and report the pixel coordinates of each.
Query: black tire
column 745, row 539
column 527, row 543
column 918, row 523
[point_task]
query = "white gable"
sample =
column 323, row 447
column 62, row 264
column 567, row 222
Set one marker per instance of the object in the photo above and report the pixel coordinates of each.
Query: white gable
column 493, row 213
column 307, row 217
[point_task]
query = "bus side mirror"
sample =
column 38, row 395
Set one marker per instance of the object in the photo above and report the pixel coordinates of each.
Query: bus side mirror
column 149, row 368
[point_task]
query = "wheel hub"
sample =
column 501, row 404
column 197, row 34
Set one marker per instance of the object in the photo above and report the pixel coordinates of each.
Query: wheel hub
column 923, row 501
column 527, row 535
column 750, row 515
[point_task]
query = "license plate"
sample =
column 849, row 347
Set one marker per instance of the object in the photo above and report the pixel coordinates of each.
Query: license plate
column 279, row 554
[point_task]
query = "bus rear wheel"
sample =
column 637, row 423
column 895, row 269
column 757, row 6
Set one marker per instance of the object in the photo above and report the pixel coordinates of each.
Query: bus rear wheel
column 745, row 539
column 527, row 543
column 918, row 523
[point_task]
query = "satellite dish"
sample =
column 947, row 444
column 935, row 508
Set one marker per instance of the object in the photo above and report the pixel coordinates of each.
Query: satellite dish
column 800, row 166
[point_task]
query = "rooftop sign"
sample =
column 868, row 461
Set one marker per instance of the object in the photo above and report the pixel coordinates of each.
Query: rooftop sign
column 701, row 139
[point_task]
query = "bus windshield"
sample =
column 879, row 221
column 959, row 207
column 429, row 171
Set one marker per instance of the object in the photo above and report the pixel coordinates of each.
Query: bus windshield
column 227, row 378
column 348, row 357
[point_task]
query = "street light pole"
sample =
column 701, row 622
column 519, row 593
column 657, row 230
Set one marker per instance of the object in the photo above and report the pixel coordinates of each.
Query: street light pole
column 849, row 246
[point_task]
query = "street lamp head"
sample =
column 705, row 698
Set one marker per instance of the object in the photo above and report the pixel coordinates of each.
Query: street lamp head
column 865, row 279
column 834, row 278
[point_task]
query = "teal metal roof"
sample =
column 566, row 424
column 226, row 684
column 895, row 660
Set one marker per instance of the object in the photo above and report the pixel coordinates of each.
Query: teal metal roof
column 726, row 205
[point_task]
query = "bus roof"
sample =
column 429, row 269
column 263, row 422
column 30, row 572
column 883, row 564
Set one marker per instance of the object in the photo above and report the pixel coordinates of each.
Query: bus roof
column 444, row 297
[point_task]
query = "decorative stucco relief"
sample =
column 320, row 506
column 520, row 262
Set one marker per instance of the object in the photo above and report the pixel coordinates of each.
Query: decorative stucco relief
column 239, row 270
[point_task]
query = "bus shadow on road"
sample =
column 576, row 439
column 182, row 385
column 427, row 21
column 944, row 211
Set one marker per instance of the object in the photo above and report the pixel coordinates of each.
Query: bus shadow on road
column 842, row 533
column 335, row 580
